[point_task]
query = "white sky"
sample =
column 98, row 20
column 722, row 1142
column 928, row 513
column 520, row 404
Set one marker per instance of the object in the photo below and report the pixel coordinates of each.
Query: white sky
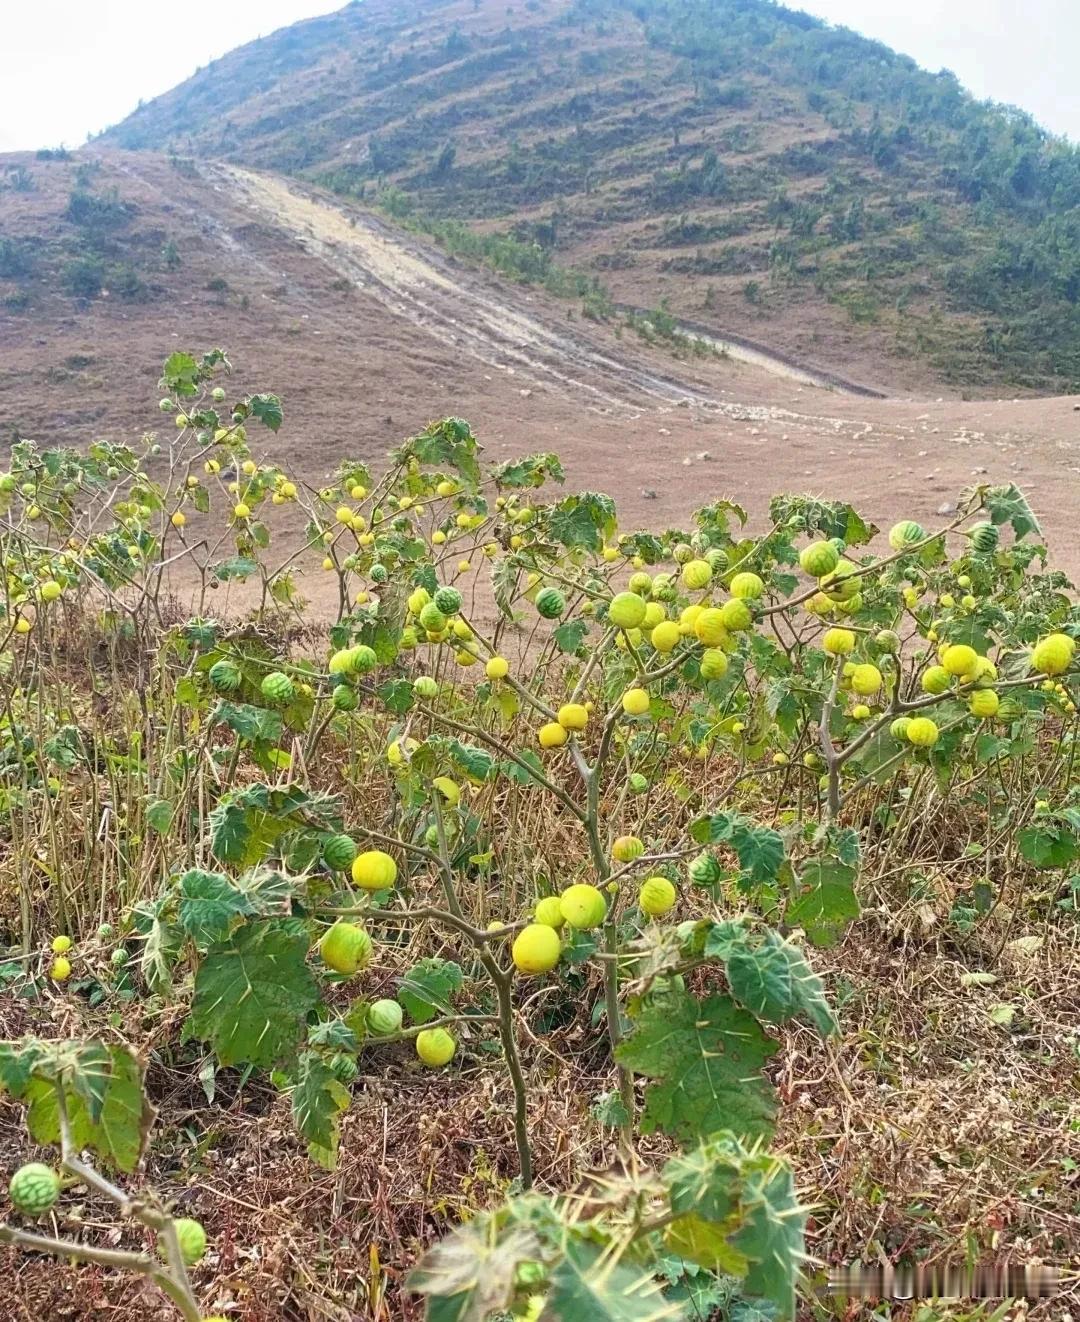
column 71, row 67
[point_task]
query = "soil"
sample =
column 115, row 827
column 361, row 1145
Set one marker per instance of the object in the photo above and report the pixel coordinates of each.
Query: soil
column 367, row 334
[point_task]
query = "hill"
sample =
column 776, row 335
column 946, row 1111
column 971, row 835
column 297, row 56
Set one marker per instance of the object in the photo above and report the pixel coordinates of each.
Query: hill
column 734, row 162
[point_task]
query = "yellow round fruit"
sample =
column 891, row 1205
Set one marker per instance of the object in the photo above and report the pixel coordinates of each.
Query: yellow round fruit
column 688, row 618
column 23, row 625
column 178, row 519
column 960, row 659
column 626, row 848
column 497, row 668
column 860, row 712
column 345, row 948
column 583, row 906
column 936, row 680
column 635, row 702
column 665, row 637
column 435, row 1047
column 838, row 642
column 1053, row 655
column 242, row 511
column 714, row 663
column 573, row 716
column 657, row 896
column 984, row 703
column 552, row 735
column 654, row 614
column 61, row 969
column 536, row 948
column 735, row 614
column 922, row 732
column 374, row 871
column 344, row 515
column 627, row 610
column 399, row 750
column 61, row 945
column 747, row 587
column 696, row 574
column 549, row 912
column 710, row 627
column 865, row 680
column 449, row 789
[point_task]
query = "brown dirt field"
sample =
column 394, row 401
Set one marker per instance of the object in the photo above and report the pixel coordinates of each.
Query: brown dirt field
column 367, row 334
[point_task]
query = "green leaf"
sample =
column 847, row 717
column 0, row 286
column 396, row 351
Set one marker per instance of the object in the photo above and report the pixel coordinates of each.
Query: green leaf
column 569, row 636
column 253, row 994
column 159, row 815
column 318, row 1101
column 118, row 1134
column 267, row 408
column 248, row 722
column 425, row 990
column 773, row 980
column 587, row 520
column 18, row 1061
column 473, row 1269
column 705, row 1243
column 1008, row 504
column 238, row 567
column 705, row 1058
column 827, row 902
column 773, row 1236
column 397, row 696
column 760, row 850
column 520, row 774
column 180, row 373
column 209, row 905
column 1047, row 844
column 450, row 442
column 590, row 1283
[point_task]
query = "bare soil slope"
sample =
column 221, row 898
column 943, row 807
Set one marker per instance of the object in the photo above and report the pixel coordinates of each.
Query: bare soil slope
column 367, row 334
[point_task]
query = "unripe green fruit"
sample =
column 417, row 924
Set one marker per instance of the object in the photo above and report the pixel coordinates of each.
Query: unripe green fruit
column 385, row 1016
column 344, row 1068
column 166, row 405
column 638, row 784
column 345, row 698
column 378, row 573
column 984, row 538
column 904, row 534
column 338, row 852
column 34, row 1188
column 192, row 1240
column 364, row 659
column 704, row 870
column 424, row 686
column 550, row 603
column 432, row 619
column 888, row 640
column 225, row 676
column 448, row 600
column 118, row 958
column 105, row 931
column 277, row 687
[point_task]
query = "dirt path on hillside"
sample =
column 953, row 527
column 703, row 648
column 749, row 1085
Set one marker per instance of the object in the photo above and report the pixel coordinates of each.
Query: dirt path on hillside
column 438, row 297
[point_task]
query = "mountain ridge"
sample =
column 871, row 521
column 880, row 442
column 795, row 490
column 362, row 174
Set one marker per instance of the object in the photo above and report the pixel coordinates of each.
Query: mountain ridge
column 737, row 162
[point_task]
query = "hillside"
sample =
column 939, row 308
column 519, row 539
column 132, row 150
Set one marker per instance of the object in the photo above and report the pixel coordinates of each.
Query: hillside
column 736, row 162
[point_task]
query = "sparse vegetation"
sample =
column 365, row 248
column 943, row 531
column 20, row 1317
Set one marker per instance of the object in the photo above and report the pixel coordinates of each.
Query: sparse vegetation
column 540, row 781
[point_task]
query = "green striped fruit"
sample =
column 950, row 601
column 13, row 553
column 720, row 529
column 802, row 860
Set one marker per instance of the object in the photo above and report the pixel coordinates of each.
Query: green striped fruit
column 225, row 676
column 384, row 1017
column 33, row 1189
column 448, row 600
column 277, row 687
column 338, row 852
column 551, row 603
